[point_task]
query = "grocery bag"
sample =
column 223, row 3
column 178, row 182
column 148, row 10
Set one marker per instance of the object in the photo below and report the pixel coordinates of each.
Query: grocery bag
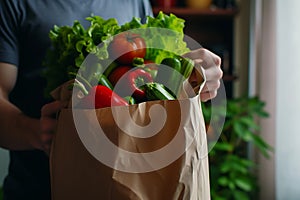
column 155, row 150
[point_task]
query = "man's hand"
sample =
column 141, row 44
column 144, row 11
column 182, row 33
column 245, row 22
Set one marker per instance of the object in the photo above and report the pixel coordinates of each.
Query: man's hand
column 211, row 63
column 48, row 124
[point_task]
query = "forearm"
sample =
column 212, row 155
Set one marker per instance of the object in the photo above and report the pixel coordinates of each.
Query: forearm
column 18, row 132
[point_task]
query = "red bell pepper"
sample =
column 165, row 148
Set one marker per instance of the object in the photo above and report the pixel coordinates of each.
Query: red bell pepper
column 137, row 78
column 101, row 96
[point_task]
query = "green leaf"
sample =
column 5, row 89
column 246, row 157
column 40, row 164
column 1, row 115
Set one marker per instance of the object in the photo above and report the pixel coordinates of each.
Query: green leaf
column 247, row 163
column 238, row 128
column 231, row 185
column 133, row 24
column 79, row 60
column 239, row 195
column 249, row 122
column 216, row 196
column 223, row 181
column 264, row 147
column 234, row 163
column 245, row 183
column 223, row 146
column 80, row 44
column 263, row 114
column 247, row 136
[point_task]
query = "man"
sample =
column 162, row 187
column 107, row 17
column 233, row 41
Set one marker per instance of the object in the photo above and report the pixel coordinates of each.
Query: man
column 25, row 116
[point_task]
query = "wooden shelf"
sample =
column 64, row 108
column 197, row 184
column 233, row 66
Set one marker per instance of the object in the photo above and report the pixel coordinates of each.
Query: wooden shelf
column 228, row 77
column 184, row 11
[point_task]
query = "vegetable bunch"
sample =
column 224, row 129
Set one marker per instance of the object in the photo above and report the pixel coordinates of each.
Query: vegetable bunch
column 130, row 55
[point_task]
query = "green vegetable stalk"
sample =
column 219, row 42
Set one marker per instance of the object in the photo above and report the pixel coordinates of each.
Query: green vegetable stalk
column 104, row 81
column 187, row 66
column 169, row 74
column 172, row 72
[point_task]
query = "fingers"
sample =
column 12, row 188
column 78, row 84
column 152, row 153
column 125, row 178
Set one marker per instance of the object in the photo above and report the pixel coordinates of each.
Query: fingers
column 48, row 124
column 204, row 57
column 47, row 120
column 46, row 139
column 212, row 84
column 47, row 128
column 51, row 108
column 209, row 90
column 211, row 63
column 213, row 73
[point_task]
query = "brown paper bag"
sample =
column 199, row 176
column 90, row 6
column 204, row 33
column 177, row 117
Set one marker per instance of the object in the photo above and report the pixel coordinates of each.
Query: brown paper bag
column 110, row 153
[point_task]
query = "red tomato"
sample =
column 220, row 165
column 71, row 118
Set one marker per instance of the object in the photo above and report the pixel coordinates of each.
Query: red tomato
column 117, row 73
column 126, row 46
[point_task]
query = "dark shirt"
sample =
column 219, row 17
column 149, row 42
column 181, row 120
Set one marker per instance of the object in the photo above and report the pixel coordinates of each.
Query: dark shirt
column 24, row 29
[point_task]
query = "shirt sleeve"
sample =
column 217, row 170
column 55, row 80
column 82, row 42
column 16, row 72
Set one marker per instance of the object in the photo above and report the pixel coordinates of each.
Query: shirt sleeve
column 9, row 51
column 147, row 10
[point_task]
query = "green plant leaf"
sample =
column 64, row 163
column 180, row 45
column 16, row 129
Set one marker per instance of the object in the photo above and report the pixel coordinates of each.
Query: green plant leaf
column 239, row 195
column 233, row 163
column 223, row 181
column 242, row 131
column 224, row 146
column 245, row 183
column 249, row 122
column 231, row 185
column 247, row 163
column 262, row 145
column 216, row 196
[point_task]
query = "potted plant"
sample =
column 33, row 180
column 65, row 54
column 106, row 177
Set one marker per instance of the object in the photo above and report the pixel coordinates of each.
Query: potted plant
column 232, row 172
